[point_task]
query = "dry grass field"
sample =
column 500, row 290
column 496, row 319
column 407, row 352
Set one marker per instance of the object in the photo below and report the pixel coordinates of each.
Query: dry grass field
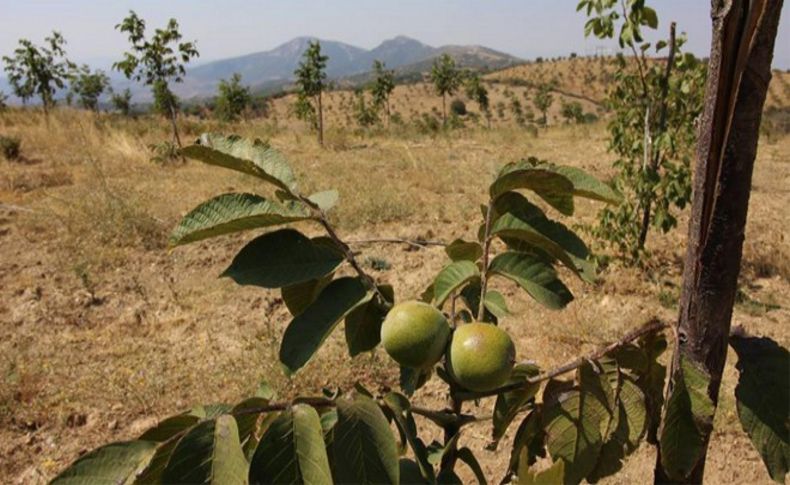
column 103, row 330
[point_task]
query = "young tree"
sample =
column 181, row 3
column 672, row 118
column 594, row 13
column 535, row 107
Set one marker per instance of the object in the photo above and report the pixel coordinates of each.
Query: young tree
column 36, row 70
column 446, row 79
column 543, row 100
column 122, row 102
column 156, row 61
column 364, row 113
column 652, row 132
column 572, row 111
column 477, row 92
column 3, row 101
column 233, row 99
column 311, row 80
column 382, row 87
column 88, row 86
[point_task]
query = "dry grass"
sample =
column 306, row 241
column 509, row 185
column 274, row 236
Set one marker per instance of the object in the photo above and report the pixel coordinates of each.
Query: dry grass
column 102, row 331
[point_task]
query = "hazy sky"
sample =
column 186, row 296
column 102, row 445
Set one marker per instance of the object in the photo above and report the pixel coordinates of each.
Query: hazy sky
column 525, row 28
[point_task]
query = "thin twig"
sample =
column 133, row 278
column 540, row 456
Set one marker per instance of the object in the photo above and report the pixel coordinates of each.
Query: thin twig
column 419, row 243
column 349, row 255
column 486, row 250
column 651, row 326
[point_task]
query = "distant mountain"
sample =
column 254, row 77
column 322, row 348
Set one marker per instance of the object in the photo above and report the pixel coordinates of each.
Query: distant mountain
column 271, row 71
column 274, row 69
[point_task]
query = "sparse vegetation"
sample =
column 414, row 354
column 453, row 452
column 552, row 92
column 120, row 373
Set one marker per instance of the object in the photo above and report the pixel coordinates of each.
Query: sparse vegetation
column 10, row 147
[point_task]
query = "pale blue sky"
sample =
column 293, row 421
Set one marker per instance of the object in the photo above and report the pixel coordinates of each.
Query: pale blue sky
column 526, row 28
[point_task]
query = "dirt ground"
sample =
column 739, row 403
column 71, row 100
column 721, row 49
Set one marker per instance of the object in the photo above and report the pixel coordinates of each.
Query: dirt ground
column 103, row 331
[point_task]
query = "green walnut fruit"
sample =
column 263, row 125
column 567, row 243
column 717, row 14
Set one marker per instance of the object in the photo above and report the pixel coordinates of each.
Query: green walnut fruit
column 481, row 356
column 415, row 334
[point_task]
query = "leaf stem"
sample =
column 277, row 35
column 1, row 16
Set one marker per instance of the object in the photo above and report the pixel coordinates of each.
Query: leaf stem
column 417, row 243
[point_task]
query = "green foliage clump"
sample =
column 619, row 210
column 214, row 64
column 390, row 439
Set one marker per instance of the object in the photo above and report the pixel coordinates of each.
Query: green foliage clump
column 10, row 147
column 233, row 99
column 652, row 131
column 156, row 61
column 365, row 114
column 382, row 87
column 36, row 70
column 458, row 108
column 572, row 112
column 122, row 102
column 446, row 79
column 311, row 82
column 543, row 100
column 477, row 92
column 89, row 86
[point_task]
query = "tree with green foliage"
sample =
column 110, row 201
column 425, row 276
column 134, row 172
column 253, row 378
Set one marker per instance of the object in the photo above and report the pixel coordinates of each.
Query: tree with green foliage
column 122, row 102
column 572, row 111
column 311, row 83
column 233, row 99
column 3, row 101
column 157, row 61
column 39, row 70
column 543, row 100
column 446, row 79
column 655, row 106
column 382, row 87
column 477, row 92
column 365, row 114
column 88, row 86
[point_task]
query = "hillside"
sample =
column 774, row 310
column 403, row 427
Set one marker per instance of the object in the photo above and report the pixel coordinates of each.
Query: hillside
column 582, row 80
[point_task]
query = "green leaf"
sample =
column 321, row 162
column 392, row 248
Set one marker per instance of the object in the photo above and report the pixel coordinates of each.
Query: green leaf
column 470, row 295
column 534, row 276
column 550, row 476
column 209, row 453
column 573, row 425
column 364, row 449
column 649, row 17
column 460, row 250
column 399, row 406
column 496, row 304
column 156, row 467
column 246, row 415
column 587, row 186
column 413, row 379
column 252, row 157
column 116, row 463
column 292, row 450
column 210, row 411
column 410, row 473
column 651, row 381
column 452, row 277
column 508, row 404
column 549, row 185
column 519, row 219
column 363, row 325
column 308, row 330
column 625, row 429
column 688, row 418
column 763, row 400
column 283, row 258
column 555, row 184
column 530, row 438
column 466, row 456
column 230, row 213
column 169, row 427
column 299, row 296
column 325, row 200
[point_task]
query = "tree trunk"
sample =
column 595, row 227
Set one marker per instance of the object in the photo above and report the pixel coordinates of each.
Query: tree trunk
column 444, row 110
column 662, row 126
column 742, row 47
column 320, row 120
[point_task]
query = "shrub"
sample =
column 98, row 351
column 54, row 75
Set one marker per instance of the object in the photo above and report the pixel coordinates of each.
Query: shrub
column 458, row 107
column 10, row 147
